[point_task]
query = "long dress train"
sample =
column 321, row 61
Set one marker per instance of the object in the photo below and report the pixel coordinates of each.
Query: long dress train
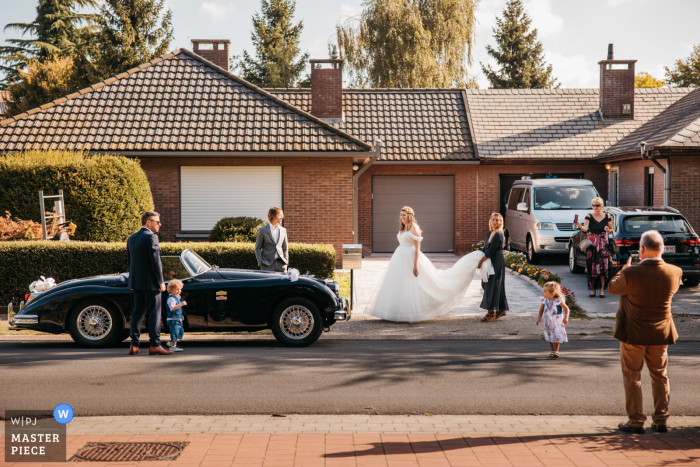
column 401, row 296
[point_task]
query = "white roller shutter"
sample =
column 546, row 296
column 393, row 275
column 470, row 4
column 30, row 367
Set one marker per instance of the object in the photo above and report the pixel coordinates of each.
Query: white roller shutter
column 208, row 194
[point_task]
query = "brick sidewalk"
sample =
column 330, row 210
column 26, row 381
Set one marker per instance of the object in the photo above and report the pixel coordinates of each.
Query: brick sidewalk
column 375, row 441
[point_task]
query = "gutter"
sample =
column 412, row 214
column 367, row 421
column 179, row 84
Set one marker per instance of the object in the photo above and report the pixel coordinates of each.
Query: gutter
column 355, row 190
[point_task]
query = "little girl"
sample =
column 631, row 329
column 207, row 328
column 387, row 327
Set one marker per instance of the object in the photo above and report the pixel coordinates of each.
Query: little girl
column 175, row 314
column 556, row 315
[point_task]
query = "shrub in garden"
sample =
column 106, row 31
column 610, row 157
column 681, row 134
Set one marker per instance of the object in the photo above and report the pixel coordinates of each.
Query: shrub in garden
column 25, row 262
column 236, row 229
column 105, row 195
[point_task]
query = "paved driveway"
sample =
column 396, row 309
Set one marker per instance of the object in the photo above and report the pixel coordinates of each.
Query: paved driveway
column 685, row 302
column 523, row 299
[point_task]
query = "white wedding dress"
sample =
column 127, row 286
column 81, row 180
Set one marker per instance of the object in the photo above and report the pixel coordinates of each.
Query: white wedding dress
column 401, row 296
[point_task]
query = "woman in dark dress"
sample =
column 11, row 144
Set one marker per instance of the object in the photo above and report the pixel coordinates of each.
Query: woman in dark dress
column 495, row 289
column 598, row 259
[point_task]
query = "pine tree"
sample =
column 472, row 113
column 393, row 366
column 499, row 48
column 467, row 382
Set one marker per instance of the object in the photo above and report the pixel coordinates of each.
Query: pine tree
column 130, row 33
column 409, row 43
column 519, row 56
column 276, row 42
column 58, row 31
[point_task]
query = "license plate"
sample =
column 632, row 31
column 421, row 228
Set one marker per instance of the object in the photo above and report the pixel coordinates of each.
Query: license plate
column 669, row 248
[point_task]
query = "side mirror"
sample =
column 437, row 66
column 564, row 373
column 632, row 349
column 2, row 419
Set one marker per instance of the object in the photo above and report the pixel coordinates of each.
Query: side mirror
column 522, row 207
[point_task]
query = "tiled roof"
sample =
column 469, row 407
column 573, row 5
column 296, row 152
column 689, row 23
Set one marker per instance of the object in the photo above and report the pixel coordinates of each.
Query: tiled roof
column 414, row 124
column 678, row 126
column 179, row 102
column 4, row 97
column 555, row 123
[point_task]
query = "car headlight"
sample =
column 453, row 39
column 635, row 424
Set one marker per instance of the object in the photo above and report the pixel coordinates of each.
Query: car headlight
column 544, row 226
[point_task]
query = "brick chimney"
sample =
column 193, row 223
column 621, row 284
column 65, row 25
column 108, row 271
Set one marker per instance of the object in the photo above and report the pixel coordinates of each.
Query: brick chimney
column 616, row 87
column 327, row 89
column 214, row 50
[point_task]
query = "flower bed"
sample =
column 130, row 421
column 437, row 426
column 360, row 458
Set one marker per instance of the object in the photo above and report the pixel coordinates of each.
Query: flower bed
column 518, row 263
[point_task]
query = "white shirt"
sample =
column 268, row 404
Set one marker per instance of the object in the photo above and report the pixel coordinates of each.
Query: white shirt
column 658, row 257
column 275, row 233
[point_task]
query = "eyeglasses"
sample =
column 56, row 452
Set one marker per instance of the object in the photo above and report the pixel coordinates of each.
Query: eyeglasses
column 597, row 205
column 157, row 222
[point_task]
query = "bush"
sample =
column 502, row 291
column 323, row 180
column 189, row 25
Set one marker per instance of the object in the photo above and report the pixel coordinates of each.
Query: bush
column 25, row 262
column 236, row 229
column 105, row 195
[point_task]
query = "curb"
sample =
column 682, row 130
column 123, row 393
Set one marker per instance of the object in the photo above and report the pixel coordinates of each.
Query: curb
column 524, row 278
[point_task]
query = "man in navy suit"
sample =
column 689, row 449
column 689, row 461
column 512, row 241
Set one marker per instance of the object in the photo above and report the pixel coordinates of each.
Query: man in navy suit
column 146, row 280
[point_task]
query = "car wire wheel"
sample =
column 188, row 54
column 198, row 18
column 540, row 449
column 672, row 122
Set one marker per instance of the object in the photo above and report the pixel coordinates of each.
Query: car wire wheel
column 296, row 322
column 94, row 323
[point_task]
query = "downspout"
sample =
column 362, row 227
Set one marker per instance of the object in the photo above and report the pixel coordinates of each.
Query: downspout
column 355, row 189
column 665, row 170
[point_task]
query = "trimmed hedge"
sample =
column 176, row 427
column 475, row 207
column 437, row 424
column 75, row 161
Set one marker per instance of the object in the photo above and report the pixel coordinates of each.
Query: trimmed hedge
column 236, row 229
column 24, row 262
column 105, row 195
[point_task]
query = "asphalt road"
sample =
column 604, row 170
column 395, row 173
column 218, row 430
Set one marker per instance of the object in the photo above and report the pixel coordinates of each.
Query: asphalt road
column 334, row 377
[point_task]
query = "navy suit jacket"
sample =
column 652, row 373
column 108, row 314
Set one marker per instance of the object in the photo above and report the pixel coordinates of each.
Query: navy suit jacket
column 143, row 261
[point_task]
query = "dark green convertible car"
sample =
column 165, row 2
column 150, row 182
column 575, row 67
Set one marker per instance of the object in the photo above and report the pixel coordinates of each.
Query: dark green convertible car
column 96, row 311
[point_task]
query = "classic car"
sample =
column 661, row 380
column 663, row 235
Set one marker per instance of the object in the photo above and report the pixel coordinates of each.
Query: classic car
column 96, row 311
column 681, row 243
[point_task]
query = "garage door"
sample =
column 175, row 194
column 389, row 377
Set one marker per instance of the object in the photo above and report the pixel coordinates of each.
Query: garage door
column 208, row 194
column 431, row 197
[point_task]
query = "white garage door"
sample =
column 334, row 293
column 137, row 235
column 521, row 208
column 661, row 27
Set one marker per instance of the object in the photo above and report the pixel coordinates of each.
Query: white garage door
column 432, row 199
column 208, row 194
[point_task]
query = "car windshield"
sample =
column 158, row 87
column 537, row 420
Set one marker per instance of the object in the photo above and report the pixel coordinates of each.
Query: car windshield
column 194, row 263
column 564, row 197
column 174, row 269
column 660, row 222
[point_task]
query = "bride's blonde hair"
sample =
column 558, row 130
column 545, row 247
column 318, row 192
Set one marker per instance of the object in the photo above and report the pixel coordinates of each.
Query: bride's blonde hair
column 411, row 220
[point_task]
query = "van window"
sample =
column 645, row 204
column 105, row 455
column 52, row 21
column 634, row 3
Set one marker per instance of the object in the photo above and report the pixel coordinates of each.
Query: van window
column 514, row 198
column 559, row 197
column 526, row 198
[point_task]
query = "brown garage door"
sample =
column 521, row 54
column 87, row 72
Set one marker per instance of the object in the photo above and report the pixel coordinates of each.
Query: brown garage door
column 431, row 197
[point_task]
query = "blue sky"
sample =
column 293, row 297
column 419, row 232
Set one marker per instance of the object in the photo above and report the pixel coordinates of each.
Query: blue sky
column 574, row 33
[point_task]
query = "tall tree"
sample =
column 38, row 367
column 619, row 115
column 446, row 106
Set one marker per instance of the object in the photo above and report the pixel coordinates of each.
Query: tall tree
column 645, row 80
column 685, row 73
column 130, row 33
column 58, row 30
column 409, row 43
column 41, row 82
column 276, row 40
column 519, row 56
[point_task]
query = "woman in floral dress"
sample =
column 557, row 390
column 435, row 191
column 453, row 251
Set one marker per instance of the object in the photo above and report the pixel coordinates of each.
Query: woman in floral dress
column 555, row 314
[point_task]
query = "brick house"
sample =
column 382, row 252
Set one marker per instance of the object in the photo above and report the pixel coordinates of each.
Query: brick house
column 213, row 145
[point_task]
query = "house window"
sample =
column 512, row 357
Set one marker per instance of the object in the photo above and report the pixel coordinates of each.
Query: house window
column 208, row 194
column 648, row 186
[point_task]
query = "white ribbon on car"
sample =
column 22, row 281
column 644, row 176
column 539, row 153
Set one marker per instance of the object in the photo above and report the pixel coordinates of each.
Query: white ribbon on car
column 293, row 275
column 42, row 285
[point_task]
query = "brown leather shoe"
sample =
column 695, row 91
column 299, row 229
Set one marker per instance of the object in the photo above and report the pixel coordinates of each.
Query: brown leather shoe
column 158, row 351
column 134, row 350
column 628, row 428
column 490, row 316
column 500, row 314
column 659, row 428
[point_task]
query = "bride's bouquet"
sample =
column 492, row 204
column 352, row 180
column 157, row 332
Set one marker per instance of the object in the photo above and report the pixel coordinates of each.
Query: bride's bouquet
column 42, row 285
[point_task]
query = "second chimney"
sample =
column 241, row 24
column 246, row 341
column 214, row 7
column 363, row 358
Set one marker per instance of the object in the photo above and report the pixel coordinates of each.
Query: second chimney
column 214, row 50
column 327, row 90
column 616, row 87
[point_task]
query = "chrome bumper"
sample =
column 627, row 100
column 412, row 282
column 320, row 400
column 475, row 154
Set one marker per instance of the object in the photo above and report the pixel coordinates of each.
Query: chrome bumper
column 24, row 319
column 344, row 313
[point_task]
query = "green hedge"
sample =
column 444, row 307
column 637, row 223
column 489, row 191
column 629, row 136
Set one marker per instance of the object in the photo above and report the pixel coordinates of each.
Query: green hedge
column 25, row 261
column 236, row 229
column 105, row 195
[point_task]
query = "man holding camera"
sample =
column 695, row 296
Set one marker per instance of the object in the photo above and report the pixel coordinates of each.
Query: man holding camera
column 645, row 329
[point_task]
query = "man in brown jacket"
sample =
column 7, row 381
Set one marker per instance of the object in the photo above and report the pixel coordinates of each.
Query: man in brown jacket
column 645, row 328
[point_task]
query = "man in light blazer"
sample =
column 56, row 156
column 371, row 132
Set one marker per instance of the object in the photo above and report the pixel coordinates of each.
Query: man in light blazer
column 645, row 329
column 271, row 248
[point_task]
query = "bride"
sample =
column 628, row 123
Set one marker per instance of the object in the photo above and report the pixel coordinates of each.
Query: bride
column 412, row 289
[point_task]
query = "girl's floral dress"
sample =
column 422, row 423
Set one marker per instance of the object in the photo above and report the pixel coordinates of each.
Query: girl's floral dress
column 554, row 330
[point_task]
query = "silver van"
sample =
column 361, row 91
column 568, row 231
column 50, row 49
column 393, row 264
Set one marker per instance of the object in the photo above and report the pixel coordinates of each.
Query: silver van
column 540, row 214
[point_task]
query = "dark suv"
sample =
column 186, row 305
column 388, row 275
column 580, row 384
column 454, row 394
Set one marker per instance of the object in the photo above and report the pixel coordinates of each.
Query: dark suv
column 681, row 243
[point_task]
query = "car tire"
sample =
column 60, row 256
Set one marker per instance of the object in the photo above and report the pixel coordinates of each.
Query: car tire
column 532, row 257
column 573, row 267
column 94, row 322
column 691, row 281
column 296, row 322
